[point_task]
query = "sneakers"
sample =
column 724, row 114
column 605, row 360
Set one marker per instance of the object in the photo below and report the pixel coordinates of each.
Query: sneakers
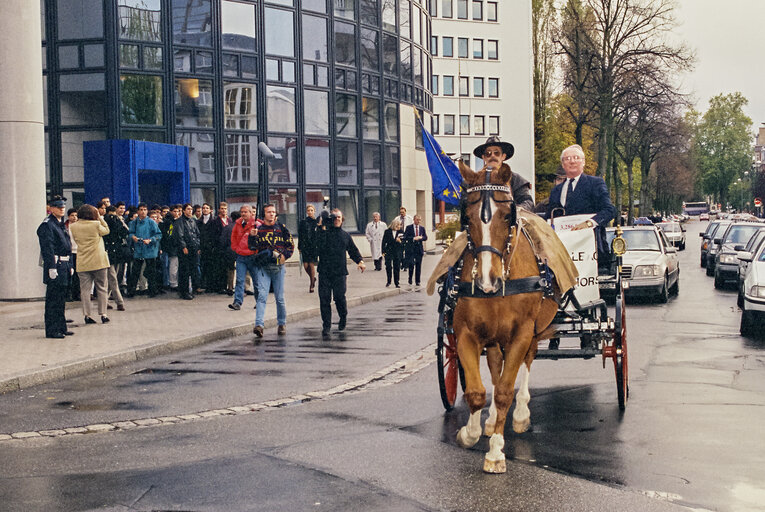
column 281, row 330
column 258, row 331
column 341, row 324
column 235, row 306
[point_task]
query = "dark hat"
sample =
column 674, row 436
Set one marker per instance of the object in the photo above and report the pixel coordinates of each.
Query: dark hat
column 507, row 148
column 57, row 201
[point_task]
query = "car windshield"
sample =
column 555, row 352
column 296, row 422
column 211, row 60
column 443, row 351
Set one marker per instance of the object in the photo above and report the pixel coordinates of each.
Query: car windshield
column 711, row 227
column 670, row 228
column 723, row 225
column 754, row 242
column 740, row 234
column 641, row 240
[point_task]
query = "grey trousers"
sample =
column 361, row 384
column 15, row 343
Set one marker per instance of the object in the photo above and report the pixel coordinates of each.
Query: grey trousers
column 114, row 286
column 87, row 279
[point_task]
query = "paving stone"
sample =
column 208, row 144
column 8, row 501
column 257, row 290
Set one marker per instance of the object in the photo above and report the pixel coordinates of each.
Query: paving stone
column 124, row 424
column 76, row 430
column 24, row 435
column 53, row 433
column 100, row 427
column 147, row 421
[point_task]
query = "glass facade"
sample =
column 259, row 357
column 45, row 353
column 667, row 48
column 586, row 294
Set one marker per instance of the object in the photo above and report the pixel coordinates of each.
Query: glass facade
column 319, row 82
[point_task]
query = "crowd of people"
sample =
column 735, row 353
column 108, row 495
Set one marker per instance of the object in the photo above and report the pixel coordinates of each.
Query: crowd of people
column 109, row 252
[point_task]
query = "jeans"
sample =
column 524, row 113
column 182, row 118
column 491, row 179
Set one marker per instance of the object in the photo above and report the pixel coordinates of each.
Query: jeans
column 245, row 264
column 268, row 276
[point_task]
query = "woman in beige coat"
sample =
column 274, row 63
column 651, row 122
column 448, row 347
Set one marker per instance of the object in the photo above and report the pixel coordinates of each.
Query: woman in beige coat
column 92, row 260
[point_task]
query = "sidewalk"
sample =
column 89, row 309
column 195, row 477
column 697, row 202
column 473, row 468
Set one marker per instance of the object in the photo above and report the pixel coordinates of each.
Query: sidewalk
column 160, row 325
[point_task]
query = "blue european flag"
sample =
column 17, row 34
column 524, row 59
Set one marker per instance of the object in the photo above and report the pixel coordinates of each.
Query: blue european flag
column 444, row 173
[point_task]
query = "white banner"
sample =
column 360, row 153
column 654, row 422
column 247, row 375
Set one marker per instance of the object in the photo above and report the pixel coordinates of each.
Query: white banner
column 584, row 254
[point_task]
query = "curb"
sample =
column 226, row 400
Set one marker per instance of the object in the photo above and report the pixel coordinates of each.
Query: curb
column 101, row 362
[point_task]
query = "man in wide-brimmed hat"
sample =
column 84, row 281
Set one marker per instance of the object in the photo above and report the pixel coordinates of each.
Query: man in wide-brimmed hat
column 494, row 152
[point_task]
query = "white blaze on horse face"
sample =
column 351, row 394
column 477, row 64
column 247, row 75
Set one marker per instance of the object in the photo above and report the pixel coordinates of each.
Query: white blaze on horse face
column 486, row 283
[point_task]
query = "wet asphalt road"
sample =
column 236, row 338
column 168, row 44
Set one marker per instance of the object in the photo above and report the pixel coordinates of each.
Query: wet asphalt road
column 691, row 434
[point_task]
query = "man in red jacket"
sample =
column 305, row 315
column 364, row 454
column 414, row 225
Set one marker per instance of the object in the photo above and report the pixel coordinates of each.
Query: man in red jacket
column 244, row 256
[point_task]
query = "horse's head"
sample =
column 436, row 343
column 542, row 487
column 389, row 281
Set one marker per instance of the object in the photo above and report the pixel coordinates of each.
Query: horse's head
column 491, row 213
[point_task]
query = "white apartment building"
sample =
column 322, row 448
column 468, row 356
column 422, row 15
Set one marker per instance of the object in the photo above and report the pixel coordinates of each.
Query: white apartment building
column 483, row 77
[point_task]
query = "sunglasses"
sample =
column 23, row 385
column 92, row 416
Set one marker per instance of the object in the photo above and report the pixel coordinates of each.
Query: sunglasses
column 489, row 152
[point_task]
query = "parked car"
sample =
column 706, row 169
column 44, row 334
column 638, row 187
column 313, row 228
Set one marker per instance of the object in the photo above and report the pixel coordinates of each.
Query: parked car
column 675, row 233
column 714, row 245
column 744, row 256
column 706, row 239
column 753, row 305
column 726, row 259
column 704, row 216
column 650, row 266
column 642, row 221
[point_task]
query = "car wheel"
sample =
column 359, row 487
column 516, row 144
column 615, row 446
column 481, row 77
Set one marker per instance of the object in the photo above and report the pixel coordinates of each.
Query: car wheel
column 663, row 296
column 703, row 261
column 718, row 281
column 747, row 323
column 710, row 270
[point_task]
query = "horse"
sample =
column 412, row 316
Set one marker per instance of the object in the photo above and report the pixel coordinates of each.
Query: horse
column 506, row 316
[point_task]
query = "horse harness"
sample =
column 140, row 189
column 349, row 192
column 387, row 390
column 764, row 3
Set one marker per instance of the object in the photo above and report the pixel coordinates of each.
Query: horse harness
column 542, row 282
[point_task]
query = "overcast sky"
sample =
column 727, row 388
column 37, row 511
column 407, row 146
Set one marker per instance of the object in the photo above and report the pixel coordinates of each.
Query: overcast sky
column 727, row 37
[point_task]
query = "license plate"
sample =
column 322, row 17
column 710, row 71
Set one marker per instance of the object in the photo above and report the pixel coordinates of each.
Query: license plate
column 608, row 286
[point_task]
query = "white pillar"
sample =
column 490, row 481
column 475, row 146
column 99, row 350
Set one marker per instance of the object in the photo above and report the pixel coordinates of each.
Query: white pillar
column 22, row 150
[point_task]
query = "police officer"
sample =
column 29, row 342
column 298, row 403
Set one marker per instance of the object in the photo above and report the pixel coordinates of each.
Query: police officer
column 56, row 253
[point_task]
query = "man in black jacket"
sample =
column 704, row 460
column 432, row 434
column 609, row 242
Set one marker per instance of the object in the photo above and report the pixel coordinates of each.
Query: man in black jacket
column 332, row 243
column 117, row 248
column 188, row 245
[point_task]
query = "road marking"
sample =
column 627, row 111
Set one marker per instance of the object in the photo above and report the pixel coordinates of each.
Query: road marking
column 392, row 374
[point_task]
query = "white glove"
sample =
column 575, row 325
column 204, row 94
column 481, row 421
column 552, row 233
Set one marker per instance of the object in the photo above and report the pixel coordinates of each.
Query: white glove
column 71, row 271
column 52, row 273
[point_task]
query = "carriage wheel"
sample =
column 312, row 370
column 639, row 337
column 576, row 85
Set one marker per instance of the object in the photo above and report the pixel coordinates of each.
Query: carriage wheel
column 620, row 352
column 449, row 367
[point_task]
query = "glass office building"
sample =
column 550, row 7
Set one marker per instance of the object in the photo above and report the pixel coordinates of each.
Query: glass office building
column 324, row 83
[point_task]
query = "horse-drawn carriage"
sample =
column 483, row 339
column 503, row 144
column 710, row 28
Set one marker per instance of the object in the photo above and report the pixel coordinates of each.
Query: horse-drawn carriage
column 500, row 299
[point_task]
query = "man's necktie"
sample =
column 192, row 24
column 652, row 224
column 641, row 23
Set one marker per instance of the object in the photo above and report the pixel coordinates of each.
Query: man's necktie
column 570, row 189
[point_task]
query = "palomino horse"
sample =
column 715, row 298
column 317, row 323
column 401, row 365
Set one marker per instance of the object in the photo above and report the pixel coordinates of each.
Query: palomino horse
column 506, row 323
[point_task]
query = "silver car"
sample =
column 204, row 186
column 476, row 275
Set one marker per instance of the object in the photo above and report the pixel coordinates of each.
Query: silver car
column 675, row 233
column 650, row 265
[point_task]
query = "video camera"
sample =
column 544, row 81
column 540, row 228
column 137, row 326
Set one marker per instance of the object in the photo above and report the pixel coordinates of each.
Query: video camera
column 326, row 215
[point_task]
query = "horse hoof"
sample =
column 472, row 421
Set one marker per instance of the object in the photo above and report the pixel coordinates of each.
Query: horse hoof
column 494, row 466
column 464, row 440
column 519, row 427
column 488, row 429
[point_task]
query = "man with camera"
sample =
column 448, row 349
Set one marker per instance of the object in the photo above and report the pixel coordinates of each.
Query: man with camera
column 332, row 244
column 273, row 245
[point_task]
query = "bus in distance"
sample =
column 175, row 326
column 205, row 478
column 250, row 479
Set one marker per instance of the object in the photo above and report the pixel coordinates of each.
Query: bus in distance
column 695, row 208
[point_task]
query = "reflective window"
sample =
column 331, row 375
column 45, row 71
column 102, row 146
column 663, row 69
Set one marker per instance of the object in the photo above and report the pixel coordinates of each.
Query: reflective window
column 240, row 106
column 72, row 163
column 434, row 46
column 448, row 46
column 416, row 29
column 181, row 60
column 344, row 9
column 493, row 125
column 315, row 5
column 141, row 99
column 43, row 26
column 434, row 84
column 192, row 21
column 249, row 66
column 477, row 9
column 347, row 201
column 68, row 57
column 288, row 71
column 462, row 48
column 322, row 76
column 82, row 99
column 370, row 12
column 491, row 11
column 238, row 26
column 370, row 46
column 462, row 9
column 464, row 90
column 406, row 60
column 193, row 102
column 317, row 162
column 390, row 60
column 314, row 38
column 140, row 20
column 241, row 158
column 283, row 167
column 372, row 165
column 272, row 69
column 288, row 3
column 492, row 49
column 345, row 115
column 129, row 56
column 370, row 118
column 446, row 8
column 393, row 171
column 346, row 163
column 80, row 19
column 152, row 57
column 93, row 55
column 477, row 86
column 391, row 122
column 404, row 28
column 45, row 102
column 464, row 125
column 434, row 124
column 286, row 202
column 201, row 155
column 373, row 203
column 389, row 15
column 280, row 108
column 345, row 44
column 147, row 135
column 280, row 29
column 448, row 124
column 493, row 87
column 392, row 201
column 316, row 112
column 203, row 62
column 417, row 67
column 230, row 65
column 448, row 85
column 478, row 48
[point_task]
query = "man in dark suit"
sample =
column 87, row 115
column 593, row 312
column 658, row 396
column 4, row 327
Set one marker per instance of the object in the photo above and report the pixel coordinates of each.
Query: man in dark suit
column 55, row 253
column 414, row 235
column 583, row 194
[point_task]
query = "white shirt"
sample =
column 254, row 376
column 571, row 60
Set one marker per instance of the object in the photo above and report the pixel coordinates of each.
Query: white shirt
column 564, row 192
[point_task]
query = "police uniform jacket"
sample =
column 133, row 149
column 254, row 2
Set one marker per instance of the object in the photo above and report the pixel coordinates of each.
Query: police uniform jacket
column 54, row 244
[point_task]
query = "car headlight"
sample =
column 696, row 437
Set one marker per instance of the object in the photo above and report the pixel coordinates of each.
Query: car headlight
column 730, row 259
column 757, row 291
column 646, row 271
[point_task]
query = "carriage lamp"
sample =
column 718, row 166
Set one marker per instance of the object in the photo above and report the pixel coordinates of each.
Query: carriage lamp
column 618, row 244
column 448, row 241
